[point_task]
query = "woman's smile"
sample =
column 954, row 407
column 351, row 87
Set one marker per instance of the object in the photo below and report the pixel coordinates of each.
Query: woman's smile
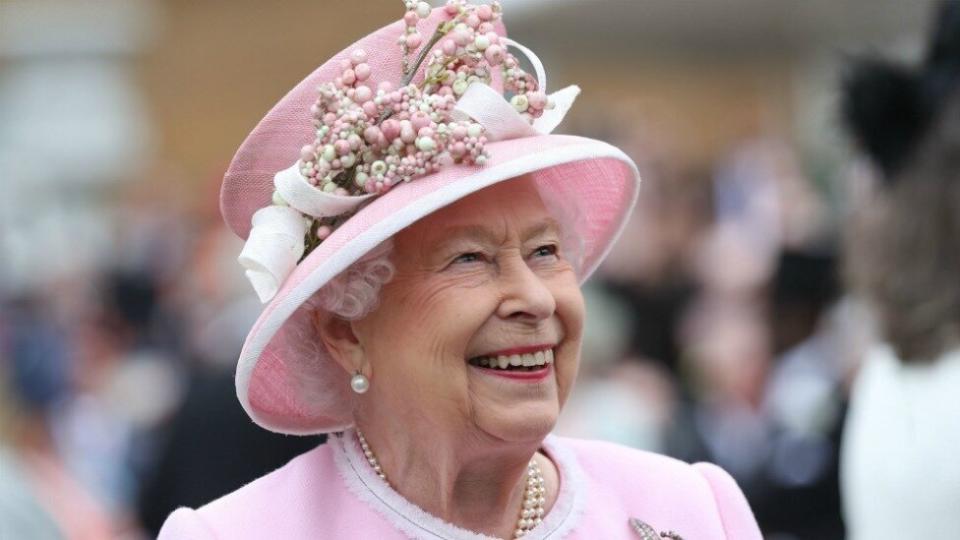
column 524, row 364
column 531, row 374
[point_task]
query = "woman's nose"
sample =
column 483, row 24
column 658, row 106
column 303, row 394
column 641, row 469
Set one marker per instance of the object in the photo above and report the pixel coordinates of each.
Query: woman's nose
column 525, row 294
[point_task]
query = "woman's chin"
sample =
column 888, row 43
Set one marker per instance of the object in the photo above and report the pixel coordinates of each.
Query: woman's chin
column 518, row 408
column 527, row 423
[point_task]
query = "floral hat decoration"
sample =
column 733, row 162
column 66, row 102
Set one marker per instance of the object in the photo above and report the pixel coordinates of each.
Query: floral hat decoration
column 409, row 119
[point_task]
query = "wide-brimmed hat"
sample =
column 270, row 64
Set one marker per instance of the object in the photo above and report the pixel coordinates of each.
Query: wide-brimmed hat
column 285, row 379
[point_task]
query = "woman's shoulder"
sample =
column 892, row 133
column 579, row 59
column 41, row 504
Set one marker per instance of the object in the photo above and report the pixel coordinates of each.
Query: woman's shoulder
column 660, row 484
column 239, row 514
column 602, row 456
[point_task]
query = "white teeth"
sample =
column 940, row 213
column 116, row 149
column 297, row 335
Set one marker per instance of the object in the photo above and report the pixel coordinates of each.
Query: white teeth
column 538, row 358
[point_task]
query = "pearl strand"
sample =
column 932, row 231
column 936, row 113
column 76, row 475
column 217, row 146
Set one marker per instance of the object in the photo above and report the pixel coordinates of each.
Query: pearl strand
column 534, row 497
column 534, row 493
column 371, row 459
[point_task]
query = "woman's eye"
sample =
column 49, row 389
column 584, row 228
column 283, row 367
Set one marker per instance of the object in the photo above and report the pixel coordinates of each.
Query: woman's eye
column 548, row 250
column 468, row 258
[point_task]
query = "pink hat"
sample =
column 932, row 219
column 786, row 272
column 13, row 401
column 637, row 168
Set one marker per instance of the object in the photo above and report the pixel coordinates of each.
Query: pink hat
column 285, row 380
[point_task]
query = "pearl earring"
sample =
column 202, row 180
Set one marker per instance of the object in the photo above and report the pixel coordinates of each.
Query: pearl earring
column 359, row 382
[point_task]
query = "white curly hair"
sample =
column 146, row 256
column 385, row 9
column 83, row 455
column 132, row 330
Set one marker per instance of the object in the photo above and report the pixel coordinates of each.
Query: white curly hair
column 355, row 292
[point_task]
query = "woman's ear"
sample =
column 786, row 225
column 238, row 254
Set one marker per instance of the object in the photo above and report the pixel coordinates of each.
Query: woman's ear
column 338, row 337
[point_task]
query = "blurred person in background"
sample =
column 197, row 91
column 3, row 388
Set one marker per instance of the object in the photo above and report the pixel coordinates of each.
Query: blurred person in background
column 761, row 345
column 900, row 471
column 652, row 276
column 619, row 397
column 85, row 393
column 41, row 496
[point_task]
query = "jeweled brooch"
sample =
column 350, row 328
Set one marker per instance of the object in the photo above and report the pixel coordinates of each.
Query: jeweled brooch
column 646, row 532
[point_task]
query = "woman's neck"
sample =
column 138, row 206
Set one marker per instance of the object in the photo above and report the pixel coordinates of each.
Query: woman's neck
column 470, row 480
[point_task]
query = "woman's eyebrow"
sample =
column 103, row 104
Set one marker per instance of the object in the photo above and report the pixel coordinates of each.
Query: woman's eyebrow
column 468, row 232
column 548, row 225
column 458, row 237
column 484, row 234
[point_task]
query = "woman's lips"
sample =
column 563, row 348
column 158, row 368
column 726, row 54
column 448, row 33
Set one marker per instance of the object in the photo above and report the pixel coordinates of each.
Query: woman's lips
column 514, row 361
column 526, row 367
column 534, row 375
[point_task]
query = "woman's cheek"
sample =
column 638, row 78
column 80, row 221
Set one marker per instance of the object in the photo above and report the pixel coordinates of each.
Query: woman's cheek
column 571, row 309
column 569, row 373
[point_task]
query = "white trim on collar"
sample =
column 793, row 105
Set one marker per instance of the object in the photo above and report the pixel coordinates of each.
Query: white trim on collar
column 419, row 524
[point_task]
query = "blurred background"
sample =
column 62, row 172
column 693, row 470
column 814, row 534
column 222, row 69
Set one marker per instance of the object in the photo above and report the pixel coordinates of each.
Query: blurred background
column 718, row 329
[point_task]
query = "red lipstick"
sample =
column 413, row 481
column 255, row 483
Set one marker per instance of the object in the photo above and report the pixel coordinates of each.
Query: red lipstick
column 536, row 375
column 532, row 376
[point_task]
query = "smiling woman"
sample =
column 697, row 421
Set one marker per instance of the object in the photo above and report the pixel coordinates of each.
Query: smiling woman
column 483, row 278
column 421, row 264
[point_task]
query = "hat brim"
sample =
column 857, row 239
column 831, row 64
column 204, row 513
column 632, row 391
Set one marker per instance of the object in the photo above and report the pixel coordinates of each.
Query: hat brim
column 285, row 380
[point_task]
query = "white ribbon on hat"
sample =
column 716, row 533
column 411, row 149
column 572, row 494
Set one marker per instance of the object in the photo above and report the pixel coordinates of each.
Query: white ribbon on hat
column 308, row 199
column 273, row 248
column 500, row 120
column 276, row 240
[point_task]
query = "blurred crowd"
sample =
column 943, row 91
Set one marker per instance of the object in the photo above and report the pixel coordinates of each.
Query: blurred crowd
column 719, row 330
column 117, row 381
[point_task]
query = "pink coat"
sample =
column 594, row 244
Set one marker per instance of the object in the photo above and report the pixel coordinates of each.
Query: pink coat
column 331, row 492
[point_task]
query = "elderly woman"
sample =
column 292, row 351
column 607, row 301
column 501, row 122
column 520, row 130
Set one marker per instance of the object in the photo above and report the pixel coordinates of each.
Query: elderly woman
column 899, row 467
column 422, row 262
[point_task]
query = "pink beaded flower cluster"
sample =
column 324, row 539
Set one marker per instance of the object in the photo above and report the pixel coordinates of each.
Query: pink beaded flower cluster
column 367, row 142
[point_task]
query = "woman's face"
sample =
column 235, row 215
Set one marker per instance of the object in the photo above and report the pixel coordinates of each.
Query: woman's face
column 480, row 283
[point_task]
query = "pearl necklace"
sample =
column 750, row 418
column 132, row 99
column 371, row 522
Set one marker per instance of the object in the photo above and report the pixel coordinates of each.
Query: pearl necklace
column 534, row 493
